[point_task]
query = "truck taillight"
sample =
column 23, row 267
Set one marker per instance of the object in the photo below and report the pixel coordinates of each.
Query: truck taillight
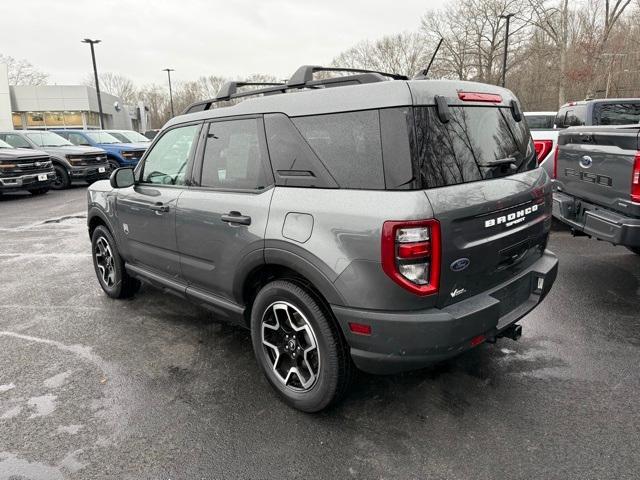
column 635, row 179
column 543, row 147
column 555, row 161
column 411, row 254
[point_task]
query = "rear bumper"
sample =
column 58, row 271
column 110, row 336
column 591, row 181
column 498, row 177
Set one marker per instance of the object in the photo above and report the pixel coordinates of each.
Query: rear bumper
column 25, row 182
column 596, row 221
column 408, row 340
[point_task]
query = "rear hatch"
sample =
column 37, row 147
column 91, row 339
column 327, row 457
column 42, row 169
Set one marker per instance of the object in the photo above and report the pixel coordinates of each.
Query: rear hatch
column 596, row 164
column 479, row 173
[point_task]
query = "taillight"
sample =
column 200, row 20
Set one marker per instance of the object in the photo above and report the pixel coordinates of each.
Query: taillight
column 479, row 97
column 635, row 179
column 411, row 254
column 555, row 162
column 543, row 147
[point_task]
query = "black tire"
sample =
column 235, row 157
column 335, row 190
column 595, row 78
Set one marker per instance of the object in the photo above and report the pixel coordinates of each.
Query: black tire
column 635, row 250
column 334, row 367
column 62, row 178
column 38, row 191
column 119, row 284
column 113, row 164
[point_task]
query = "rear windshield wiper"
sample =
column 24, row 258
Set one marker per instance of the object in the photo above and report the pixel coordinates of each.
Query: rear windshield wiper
column 511, row 161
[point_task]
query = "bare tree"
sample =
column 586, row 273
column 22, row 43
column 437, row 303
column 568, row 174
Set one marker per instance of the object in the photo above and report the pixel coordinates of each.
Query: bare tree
column 403, row 53
column 21, row 72
column 115, row 84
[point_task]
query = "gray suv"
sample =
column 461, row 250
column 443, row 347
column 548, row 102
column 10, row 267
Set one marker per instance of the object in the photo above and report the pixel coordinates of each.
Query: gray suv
column 71, row 163
column 362, row 220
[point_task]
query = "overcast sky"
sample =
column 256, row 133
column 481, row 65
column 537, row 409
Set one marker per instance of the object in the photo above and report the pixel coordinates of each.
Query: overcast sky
column 196, row 37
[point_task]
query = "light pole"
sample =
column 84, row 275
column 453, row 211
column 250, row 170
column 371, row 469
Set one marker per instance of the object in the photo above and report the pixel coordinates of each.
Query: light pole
column 169, row 70
column 506, row 47
column 95, row 74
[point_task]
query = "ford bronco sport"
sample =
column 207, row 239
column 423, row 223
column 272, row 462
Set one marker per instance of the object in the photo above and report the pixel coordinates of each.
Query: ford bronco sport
column 363, row 219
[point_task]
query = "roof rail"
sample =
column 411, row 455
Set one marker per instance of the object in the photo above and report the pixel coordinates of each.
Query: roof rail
column 229, row 89
column 304, row 74
column 302, row 78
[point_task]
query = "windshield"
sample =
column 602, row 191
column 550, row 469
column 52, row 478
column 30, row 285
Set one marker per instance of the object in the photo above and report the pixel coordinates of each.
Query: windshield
column 4, row 145
column 48, row 139
column 102, row 137
column 478, row 143
column 132, row 136
column 540, row 122
column 616, row 113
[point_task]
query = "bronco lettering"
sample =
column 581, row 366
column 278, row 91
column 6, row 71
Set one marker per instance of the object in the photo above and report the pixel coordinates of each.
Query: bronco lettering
column 512, row 218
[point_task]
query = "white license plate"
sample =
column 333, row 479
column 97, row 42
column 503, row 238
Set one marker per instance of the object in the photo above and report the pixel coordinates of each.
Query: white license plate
column 101, row 169
column 42, row 177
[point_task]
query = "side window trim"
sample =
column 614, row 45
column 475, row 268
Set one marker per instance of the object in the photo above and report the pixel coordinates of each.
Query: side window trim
column 139, row 169
column 262, row 138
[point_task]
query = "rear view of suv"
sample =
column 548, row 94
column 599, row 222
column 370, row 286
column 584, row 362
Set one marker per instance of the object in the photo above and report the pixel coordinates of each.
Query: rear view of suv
column 360, row 220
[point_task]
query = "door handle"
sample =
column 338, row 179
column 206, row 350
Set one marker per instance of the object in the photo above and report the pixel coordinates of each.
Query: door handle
column 236, row 217
column 160, row 207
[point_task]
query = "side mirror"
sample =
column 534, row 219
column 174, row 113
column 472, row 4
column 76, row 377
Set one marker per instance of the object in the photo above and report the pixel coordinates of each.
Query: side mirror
column 122, row 178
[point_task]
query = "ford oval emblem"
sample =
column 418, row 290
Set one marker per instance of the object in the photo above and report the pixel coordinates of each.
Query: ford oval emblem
column 460, row 264
column 586, row 161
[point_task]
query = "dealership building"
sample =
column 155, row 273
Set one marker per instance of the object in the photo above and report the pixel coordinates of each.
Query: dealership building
column 64, row 106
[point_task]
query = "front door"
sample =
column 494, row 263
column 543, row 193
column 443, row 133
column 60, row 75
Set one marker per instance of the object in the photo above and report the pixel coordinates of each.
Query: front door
column 147, row 211
column 221, row 222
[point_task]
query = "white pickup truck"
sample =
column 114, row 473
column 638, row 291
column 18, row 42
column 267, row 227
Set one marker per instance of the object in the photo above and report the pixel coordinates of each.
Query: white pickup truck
column 545, row 138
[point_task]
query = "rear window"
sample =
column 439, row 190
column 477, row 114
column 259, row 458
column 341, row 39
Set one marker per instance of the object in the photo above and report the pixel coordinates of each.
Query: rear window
column 616, row 113
column 478, row 143
column 348, row 144
column 540, row 122
column 573, row 116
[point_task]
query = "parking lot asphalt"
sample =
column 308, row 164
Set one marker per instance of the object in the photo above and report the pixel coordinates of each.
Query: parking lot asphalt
column 154, row 387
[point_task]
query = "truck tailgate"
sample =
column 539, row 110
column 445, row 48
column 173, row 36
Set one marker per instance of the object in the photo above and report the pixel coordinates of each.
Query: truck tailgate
column 596, row 164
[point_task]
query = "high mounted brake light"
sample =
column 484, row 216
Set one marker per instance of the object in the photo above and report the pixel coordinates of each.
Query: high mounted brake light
column 479, row 97
column 635, row 179
column 543, row 148
column 411, row 254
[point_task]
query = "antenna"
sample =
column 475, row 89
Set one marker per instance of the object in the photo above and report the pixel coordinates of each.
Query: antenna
column 422, row 74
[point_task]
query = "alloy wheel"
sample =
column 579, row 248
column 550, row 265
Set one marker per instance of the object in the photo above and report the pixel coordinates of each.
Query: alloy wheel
column 290, row 345
column 105, row 262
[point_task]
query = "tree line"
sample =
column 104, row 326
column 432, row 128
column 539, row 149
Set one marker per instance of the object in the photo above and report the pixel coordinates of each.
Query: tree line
column 557, row 51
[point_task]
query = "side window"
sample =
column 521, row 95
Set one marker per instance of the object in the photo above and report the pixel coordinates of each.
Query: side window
column 294, row 163
column 398, row 141
column 16, row 141
column 349, row 146
column 234, row 156
column 166, row 163
column 78, row 139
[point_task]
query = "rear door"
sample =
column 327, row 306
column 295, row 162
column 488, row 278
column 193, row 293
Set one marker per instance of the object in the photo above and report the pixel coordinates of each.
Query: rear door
column 222, row 219
column 147, row 210
column 597, row 164
column 493, row 204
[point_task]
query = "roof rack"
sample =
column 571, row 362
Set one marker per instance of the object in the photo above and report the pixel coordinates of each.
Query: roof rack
column 304, row 74
column 229, row 89
column 302, row 78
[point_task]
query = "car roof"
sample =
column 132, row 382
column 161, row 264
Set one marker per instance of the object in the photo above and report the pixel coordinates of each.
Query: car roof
column 540, row 113
column 385, row 94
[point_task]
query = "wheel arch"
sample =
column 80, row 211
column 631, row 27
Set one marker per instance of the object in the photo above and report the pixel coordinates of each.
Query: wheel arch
column 301, row 273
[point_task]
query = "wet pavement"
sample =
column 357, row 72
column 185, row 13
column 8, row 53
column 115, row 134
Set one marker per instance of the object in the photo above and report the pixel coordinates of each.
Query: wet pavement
column 153, row 387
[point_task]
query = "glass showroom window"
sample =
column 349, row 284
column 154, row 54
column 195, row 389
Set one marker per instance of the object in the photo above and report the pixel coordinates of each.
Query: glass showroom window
column 54, row 119
column 35, row 119
column 18, row 121
column 73, row 119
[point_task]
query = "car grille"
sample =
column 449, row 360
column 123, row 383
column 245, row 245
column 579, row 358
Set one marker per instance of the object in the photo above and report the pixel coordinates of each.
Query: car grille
column 25, row 166
column 88, row 159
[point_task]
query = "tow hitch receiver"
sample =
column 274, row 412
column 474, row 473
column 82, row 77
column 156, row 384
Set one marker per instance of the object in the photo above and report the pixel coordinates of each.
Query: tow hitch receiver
column 514, row 332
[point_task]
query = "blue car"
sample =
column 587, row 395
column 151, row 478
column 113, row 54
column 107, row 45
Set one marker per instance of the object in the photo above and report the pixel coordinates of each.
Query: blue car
column 118, row 154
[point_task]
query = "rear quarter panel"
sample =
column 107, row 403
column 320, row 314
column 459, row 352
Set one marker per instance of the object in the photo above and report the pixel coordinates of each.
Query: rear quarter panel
column 344, row 244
